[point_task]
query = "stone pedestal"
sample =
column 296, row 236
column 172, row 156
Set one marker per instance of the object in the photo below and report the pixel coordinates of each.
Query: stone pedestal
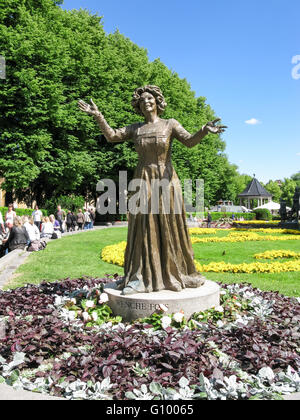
column 141, row 305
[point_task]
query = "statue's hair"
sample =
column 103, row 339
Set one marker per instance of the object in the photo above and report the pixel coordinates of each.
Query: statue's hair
column 155, row 91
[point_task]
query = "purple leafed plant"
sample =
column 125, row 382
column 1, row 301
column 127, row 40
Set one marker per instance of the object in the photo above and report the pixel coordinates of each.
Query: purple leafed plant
column 132, row 355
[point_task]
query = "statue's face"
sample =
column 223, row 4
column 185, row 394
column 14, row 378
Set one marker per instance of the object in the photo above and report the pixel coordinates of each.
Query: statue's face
column 147, row 103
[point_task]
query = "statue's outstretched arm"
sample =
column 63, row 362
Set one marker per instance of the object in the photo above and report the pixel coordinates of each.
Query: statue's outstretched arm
column 111, row 135
column 191, row 140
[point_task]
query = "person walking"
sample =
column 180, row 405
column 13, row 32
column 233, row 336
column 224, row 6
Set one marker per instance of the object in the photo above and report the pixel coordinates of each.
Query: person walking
column 80, row 219
column 60, row 216
column 69, row 221
column 87, row 220
column 209, row 220
column 93, row 217
column 73, row 221
column 37, row 216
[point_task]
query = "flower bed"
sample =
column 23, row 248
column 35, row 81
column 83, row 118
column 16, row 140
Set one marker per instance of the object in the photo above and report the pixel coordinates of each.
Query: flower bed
column 244, row 237
column 114, row 254
column 213, row 231
column 277, row 253
column 248, row 347
column 257, row 222
column 256, row 267
column 203, row 231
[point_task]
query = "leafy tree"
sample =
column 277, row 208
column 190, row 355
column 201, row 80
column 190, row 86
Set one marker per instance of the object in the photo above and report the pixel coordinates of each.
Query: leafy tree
column 275, row 190
column 42, row 152
column 288, row 190
column 69, row 202
column 54, row 57
column 296, row 178
column 236, row 185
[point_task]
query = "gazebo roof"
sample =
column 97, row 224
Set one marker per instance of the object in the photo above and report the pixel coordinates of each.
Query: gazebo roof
column 255, row 189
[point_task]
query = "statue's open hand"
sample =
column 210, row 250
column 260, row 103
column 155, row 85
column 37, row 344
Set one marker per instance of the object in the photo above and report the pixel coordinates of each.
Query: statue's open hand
column 91, row 109
column 211, row 127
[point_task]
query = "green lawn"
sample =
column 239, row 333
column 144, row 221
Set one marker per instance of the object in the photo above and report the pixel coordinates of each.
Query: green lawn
column 71, row 256
column 238, row 252
column 79, row 255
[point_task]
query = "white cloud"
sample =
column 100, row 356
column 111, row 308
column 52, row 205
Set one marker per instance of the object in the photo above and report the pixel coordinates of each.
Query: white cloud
column 298, row 154
column 252, row 121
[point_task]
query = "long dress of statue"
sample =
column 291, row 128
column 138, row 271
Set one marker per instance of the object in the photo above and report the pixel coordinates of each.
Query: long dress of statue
column 159, row 253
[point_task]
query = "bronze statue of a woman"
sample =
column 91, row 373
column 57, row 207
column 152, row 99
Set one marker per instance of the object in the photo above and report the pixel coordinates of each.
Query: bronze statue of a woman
column 159, row 253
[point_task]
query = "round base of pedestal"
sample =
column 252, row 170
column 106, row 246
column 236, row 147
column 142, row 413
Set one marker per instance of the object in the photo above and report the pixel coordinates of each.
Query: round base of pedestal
column 141, row 305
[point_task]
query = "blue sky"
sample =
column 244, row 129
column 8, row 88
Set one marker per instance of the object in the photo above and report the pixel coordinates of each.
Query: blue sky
column 236, row 53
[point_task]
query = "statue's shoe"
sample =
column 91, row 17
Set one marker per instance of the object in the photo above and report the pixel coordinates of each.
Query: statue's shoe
column 175, row 288
column 193, row 282
column 128, row 291
column 134, row 286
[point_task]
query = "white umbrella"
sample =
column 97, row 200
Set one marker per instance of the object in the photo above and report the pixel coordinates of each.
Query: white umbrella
column 271, row 205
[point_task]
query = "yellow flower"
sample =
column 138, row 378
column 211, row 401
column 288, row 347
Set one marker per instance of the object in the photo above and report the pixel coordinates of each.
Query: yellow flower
column 223, row 267
column 282, row 253
column 203, row 231
column 258, row 222
column 114, row 254
column 244, row 237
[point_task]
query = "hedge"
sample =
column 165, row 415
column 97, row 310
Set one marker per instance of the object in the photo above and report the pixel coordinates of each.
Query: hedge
column 22, row 212
column 263, row 214
column 216, row 215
